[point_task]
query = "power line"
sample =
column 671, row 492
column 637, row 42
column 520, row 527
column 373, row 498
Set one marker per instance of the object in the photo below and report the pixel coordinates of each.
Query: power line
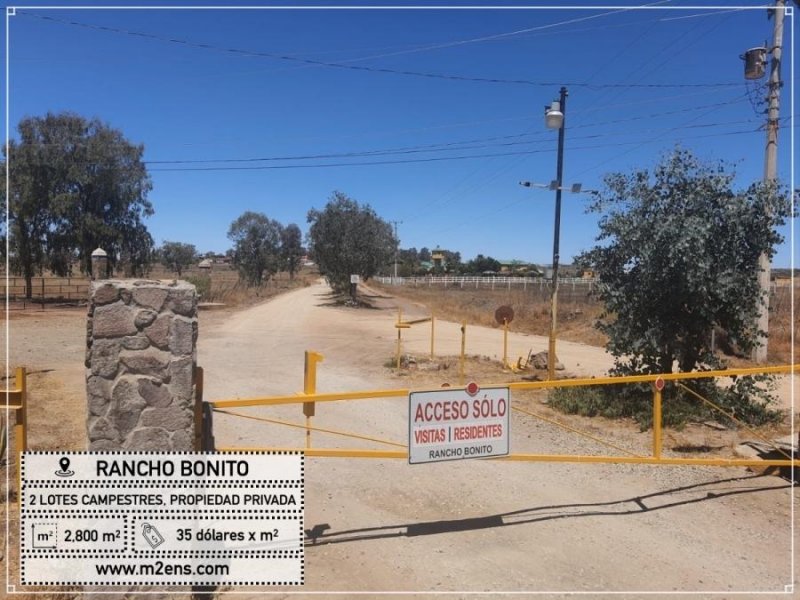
column 384, row 70
column 427, row 148
column 429, row 159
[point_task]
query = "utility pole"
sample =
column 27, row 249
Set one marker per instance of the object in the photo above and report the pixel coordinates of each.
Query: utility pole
column 551, row 346
column 770, row 168
column 396, row 248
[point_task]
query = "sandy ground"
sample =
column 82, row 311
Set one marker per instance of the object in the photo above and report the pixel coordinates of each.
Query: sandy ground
column 467, row 526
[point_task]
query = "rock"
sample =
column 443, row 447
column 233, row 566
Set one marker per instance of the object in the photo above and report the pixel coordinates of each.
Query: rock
column 183, row 439
column 154, row 392
column 181, row 372
column 97, row 392
column 171, row 418
column 105, row 294
column 136, row 342
column 539, row 361
column 715, row 425
column 104, row 357
column 101, row 428
column 158, row 332
column 127, row 404
column 183, row 300
column 144, row 318
column 150, row 297
column 148, row 438
column 146, row 362
column 180, row 336
column 103, row 445
column 113, row 320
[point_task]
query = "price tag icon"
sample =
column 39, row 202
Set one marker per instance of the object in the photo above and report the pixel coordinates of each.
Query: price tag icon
column 151, row 534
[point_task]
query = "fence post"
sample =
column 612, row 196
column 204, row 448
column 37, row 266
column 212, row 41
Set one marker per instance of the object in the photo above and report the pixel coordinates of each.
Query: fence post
column 310, row 387
column 397, row 352
column 505, row 343
column 463, row 348
column 21, row 425
column 657, row 420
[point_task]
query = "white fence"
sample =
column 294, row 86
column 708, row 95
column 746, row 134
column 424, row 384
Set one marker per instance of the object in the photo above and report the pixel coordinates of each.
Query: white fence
column 489, row 282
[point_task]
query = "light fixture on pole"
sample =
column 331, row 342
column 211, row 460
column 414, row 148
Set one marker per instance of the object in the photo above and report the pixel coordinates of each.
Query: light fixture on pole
column 554, row 117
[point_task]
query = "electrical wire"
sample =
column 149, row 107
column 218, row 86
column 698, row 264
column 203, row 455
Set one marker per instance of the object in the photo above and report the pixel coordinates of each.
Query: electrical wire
column 438, row 158
column 383, row 70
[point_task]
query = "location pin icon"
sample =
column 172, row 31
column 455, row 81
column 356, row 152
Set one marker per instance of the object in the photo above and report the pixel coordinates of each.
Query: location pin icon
column 63, row 462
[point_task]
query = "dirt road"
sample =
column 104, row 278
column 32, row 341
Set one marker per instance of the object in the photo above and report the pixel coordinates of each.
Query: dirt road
column 458, row 526
column 481, row 525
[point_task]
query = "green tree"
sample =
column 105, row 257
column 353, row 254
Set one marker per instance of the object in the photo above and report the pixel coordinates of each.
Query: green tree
column 678, row 255
column 481, row 264
column 346, row 238
column 424, row 254
column 75, row 185
column 257, row 243
column 176, row 256
column 292, row 248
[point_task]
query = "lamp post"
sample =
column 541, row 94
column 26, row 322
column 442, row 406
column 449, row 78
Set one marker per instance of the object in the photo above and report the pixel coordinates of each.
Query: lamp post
column 555, row 118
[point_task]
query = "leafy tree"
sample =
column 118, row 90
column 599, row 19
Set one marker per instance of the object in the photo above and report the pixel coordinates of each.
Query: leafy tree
column 346, row 238
column 291, row 248
column 177, row 256
column 408, row 262
column 678, row 255
column 257, row 242
column 482, row 263
column 75, row 185
column 424, row 254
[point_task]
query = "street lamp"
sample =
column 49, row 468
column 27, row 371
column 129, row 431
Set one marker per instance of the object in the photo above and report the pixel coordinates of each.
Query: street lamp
column 554, row 117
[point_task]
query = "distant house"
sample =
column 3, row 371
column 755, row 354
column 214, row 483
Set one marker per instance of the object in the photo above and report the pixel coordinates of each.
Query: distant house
column 519, row 267
column 438, row 259
column 205, row 263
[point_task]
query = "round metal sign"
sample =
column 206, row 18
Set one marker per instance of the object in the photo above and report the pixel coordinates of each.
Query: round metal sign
column 660, row 384
column 504, row 313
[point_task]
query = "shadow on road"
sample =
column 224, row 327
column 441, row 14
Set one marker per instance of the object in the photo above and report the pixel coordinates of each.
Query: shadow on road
column 322, row 534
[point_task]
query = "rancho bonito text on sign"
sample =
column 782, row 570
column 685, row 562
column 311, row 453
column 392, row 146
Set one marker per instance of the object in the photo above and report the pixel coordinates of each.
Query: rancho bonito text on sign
column 453, row 424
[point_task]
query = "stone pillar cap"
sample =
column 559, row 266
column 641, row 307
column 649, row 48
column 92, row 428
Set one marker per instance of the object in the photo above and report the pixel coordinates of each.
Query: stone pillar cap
column 99, row 252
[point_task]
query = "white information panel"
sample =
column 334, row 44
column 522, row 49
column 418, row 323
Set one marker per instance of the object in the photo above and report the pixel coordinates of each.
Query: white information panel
column 453, row 424
column 150, row 518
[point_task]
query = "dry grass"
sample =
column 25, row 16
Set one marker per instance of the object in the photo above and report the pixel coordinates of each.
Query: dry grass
column 220, row 284
column 577, row 312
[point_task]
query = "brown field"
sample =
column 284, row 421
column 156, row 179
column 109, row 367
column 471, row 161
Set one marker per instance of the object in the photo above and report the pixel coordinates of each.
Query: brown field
column 577, row 311
column 219, row 284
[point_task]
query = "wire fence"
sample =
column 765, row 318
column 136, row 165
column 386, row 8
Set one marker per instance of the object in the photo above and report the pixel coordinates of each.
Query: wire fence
column 476, row 282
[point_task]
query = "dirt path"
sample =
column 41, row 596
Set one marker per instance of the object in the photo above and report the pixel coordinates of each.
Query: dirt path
column 482, row 525
column 466, row 526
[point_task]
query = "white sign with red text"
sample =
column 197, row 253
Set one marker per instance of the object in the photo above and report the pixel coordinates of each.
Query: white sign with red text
column 454, row 424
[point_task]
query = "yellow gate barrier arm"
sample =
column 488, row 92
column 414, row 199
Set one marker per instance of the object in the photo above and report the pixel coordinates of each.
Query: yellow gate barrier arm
column 310, row 388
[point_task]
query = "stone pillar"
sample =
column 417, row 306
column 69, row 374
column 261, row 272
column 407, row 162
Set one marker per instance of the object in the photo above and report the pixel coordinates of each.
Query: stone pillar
column 140, row 359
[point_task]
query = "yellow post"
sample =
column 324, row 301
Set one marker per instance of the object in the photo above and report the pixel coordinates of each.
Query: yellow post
column 463, row 349
column 21, row 414
column 433, row 332
column 656, row 422
column 21, row 425
column 505, row 343
column 310, row 387
column 399, row 334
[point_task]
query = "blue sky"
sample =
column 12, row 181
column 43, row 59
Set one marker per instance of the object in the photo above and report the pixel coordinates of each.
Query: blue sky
column 640, row 82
